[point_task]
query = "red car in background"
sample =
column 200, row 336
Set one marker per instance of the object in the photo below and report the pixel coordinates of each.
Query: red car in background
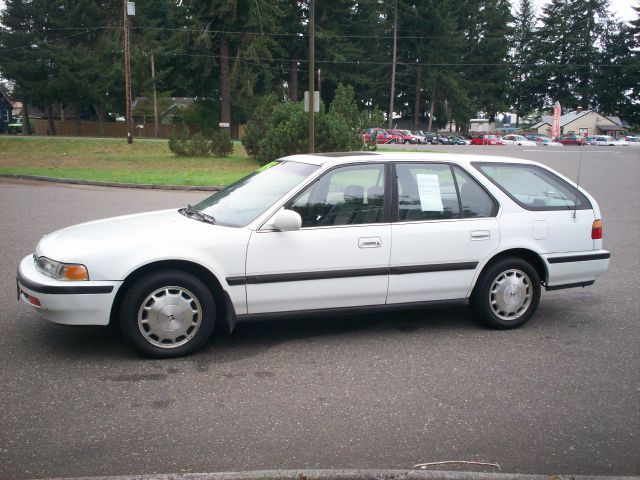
column 404, row 136
column 569, row 139
column 382, row 136
column 487, row 140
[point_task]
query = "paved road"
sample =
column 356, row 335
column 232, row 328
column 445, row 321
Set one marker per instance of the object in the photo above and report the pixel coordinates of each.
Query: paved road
column 561, row 395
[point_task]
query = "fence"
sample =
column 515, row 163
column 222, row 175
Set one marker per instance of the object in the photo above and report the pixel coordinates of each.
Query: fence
column 85, row 128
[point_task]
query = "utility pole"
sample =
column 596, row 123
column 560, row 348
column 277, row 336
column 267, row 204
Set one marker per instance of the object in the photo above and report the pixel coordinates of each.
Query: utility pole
column 393, row 66
column 127, row 72
column 155, row 99
column 312, row 87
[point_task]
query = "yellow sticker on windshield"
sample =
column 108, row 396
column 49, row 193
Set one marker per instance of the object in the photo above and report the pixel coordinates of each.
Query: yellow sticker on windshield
column 268, row 165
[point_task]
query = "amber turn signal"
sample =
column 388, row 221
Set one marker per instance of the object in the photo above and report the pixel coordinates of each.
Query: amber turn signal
column 75, row 272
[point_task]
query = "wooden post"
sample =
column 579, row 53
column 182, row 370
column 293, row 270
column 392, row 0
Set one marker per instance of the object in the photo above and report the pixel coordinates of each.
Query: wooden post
column 155, row 99
column 312, row 68
column 393, row 65
column 127, row 74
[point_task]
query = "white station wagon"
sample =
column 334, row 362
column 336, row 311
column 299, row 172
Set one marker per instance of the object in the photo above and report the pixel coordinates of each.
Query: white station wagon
column 317, row 234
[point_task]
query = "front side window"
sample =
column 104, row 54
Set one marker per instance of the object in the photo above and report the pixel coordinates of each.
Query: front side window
column 534, row 187
column 349, row 195
column 242, row 202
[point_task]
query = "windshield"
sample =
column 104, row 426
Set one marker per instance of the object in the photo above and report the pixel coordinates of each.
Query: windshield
column 242, row 202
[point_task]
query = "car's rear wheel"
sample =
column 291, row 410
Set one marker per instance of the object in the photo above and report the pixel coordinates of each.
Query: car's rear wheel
column 507, row 294
column 167, row 314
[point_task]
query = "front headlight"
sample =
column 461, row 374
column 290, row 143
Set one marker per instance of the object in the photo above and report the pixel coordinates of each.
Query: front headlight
column 61, row 271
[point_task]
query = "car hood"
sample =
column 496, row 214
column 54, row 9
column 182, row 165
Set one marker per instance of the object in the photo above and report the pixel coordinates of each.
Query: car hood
column 73, row 244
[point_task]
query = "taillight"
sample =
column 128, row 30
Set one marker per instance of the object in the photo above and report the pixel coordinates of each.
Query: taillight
column 596, row 229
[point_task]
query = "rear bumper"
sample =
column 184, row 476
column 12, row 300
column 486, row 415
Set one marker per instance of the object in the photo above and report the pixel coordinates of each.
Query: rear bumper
column 69, row 303
column 575, row 269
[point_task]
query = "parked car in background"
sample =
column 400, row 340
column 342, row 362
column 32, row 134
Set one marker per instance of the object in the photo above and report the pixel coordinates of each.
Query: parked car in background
column 404, row 136
column 459, row 141
column 382, row 136
column 429, row 137
column 513, row 139
column 487, row 140
column 620, row 142
column 542, row 140
column 633, row 140
column 607, row 140
column 570, row 139
column 602, row 140
column 417, row 138
column 319, row 234
column 444, row 140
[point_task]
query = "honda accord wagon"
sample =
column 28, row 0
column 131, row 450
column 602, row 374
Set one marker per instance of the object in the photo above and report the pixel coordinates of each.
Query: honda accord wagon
column 319, row 234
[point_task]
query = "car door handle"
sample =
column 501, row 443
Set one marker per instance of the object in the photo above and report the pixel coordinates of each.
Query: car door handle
column 480, row 235
column 370, row 242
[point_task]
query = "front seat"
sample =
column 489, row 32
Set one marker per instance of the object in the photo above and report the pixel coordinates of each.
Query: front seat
column 343, row 213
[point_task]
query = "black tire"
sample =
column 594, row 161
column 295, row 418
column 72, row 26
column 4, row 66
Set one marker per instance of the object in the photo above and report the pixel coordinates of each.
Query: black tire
column 167, row 314
column 507, row 294
column 407, row 141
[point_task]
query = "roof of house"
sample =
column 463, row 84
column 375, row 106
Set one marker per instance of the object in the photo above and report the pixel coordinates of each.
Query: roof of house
column 572, row 116
column 6, row 97
column 172, row 101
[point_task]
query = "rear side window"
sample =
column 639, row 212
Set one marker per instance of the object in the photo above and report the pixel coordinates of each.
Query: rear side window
column 533, row 187
column 476, row 202
column 426, row 192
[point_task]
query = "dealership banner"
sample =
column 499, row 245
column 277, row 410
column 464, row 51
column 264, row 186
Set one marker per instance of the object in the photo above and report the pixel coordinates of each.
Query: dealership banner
column 555, row 127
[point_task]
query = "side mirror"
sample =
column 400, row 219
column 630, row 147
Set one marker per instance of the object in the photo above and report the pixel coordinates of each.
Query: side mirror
column 286, row 221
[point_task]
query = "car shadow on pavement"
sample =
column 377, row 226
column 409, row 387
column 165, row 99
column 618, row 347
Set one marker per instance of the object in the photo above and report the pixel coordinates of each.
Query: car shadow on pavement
column 253, row 338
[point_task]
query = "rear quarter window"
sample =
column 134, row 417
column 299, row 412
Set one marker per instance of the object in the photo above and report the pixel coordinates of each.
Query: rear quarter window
column 533, row 187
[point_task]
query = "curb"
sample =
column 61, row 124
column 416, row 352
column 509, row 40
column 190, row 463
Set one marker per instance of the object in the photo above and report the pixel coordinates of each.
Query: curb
column 352, row 475
column 145, row 186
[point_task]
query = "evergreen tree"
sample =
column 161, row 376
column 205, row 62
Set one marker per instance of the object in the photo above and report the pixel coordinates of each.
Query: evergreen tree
column 487, row 27
column 523, row 91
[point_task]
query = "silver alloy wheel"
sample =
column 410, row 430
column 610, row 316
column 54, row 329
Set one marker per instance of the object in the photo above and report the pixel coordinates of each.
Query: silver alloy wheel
column 169, row 317
column 510, row 294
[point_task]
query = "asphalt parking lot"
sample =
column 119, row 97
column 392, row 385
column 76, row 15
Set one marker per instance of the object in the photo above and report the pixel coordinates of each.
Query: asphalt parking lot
column 561, row 395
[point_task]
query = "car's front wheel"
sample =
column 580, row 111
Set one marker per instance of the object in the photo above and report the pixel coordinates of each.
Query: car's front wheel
column 507, row 294
column 167, row 314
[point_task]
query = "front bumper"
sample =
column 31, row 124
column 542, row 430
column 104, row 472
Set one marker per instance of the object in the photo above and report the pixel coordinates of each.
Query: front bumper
column 69, row 303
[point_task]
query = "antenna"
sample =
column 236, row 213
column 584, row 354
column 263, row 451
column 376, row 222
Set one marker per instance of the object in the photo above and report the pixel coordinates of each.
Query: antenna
column 575, row 200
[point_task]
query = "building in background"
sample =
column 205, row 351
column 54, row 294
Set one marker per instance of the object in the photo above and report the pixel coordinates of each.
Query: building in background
column 581, row 122
column 6, row 112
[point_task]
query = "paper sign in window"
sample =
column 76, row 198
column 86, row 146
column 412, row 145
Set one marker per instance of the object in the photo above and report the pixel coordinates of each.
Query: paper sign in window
column 429, row 190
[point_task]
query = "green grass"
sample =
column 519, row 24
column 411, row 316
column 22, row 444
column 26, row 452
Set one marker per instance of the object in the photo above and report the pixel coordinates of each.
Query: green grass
column 113, row 160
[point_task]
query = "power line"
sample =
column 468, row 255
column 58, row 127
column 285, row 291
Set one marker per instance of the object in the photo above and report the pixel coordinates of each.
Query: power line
column 319, row 35
column 253, row 60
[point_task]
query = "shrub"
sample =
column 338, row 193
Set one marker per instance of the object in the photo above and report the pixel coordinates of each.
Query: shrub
column 221, row 143
column 288, row 133
column 199, row 146
column 184, row 144
column 258, row 125
column 179, row 142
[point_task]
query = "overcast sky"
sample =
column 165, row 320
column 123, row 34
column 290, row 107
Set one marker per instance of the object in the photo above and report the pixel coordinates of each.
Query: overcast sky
column 621, row 8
